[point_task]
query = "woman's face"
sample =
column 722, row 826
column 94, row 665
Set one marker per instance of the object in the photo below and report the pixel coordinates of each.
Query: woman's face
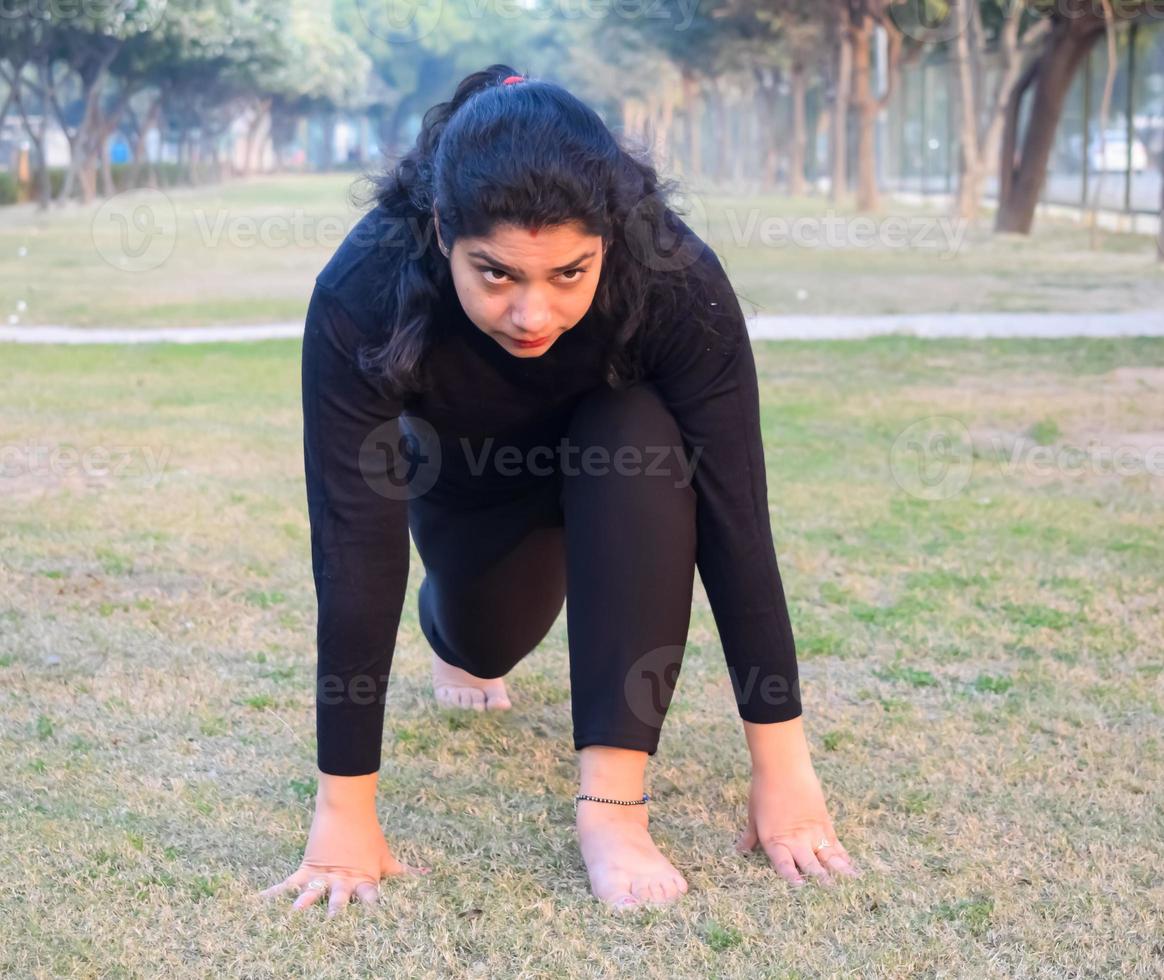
column 525, row 287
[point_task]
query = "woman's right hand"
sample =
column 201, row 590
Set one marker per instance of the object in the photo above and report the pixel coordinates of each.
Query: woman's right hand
column 345, row 848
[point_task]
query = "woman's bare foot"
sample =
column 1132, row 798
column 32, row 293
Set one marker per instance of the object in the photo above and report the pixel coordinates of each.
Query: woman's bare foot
column 456, row 688
column 626, row 868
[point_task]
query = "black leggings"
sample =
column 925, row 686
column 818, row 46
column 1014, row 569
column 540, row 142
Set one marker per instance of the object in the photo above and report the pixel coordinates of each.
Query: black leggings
column 621, row 554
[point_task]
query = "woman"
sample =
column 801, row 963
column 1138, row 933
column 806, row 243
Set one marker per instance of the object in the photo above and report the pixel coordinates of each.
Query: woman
column 524, row 357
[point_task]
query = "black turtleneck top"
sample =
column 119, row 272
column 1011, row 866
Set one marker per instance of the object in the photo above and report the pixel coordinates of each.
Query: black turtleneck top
column 360, row 525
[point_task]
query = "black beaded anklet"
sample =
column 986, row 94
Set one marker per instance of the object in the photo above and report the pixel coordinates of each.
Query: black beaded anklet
column 601, row 799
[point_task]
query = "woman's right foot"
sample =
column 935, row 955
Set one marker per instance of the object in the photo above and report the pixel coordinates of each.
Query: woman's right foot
column 456, row 688
column 626, row 868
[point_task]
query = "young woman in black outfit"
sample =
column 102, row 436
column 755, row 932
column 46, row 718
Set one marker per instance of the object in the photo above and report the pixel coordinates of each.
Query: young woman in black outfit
column 524, row 357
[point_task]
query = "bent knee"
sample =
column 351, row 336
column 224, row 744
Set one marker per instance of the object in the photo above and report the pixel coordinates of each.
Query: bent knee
column 633, row 416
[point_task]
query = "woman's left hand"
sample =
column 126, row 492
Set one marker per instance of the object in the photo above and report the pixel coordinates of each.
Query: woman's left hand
column 788, row 817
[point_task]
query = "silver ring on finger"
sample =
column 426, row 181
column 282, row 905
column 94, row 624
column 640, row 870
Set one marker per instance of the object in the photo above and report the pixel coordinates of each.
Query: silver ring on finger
column 824, row 842
column 317, row 884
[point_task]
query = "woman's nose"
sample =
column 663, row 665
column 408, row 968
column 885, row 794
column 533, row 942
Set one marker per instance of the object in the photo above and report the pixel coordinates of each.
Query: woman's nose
column 531, row 316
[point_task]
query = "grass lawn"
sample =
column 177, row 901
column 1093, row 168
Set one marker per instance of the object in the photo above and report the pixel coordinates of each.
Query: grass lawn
column 980, row 646
column 248, row 251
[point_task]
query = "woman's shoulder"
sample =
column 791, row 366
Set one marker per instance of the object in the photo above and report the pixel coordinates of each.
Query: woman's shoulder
column 695, row 305
column 358, row 272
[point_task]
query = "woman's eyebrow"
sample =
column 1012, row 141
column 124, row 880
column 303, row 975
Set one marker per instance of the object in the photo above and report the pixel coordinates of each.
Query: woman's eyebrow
column 476, row 254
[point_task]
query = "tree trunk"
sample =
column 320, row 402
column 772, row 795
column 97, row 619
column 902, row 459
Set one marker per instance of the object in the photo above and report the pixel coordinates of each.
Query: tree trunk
column 632, row 118
column 968, row 87
column 844, row 81
column 1053, row 72
column 107, row 187
column 257, row 131
column 799, row 142
column 867, row 107
column 1160, row 228
column 663, row 124
column 7, row 105
column 719, row 132
column 693, row 104
column 745, row 141
column 85, row 143
column 139, row 144
column 988, row 140
column 40, row 179
column 1009, row 147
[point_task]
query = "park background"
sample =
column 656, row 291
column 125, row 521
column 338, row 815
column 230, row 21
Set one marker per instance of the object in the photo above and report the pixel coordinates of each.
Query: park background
column 965, row 495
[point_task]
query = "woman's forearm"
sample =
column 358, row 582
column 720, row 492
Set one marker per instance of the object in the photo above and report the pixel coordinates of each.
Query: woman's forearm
column 347, row 792
column 778, row 746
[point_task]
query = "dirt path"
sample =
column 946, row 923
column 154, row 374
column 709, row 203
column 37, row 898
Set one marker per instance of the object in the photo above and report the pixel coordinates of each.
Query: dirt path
column 1148, row 323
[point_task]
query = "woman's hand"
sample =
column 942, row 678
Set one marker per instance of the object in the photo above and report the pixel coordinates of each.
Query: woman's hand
column 346, row 849
column 787, row 814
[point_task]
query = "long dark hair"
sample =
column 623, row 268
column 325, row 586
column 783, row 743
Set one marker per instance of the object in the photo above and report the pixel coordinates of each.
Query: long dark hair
column 529, row 154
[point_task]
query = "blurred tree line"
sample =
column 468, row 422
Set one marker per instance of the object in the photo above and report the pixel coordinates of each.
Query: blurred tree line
column 718, row 89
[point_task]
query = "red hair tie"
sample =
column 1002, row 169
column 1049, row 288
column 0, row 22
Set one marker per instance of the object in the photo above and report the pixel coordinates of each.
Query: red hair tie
column 513, row 80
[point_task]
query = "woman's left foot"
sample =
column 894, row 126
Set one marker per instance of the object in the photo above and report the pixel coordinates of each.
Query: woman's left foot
column 626, row 868
column 456, row 688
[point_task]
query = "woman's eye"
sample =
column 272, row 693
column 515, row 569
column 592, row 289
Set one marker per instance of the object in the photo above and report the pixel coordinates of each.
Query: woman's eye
column 573, row 274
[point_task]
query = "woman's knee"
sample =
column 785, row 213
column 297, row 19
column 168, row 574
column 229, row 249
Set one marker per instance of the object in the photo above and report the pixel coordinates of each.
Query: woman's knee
column 489, row 623
column 613, row 416
column 629, row 452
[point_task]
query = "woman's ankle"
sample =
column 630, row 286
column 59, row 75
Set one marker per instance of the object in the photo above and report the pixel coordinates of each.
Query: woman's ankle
column 611, row 772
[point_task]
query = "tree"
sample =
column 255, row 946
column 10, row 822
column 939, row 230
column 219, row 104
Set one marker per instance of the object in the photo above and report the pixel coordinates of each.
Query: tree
column 983, row 114
column 1022, row 170
column 864, row 16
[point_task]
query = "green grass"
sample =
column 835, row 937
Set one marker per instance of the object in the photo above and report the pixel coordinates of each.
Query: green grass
column 248, row 251
column 981, row 676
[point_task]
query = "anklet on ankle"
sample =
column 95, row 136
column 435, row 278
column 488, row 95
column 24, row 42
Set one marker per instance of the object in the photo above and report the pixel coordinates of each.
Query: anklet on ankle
column 601, row 799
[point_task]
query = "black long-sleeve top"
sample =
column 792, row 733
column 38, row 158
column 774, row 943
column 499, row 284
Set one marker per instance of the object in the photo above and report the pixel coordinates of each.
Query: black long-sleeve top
column 360, row 532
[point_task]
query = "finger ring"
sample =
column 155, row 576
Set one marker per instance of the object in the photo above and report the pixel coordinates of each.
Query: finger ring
column 824, row 842
column 318, row 883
